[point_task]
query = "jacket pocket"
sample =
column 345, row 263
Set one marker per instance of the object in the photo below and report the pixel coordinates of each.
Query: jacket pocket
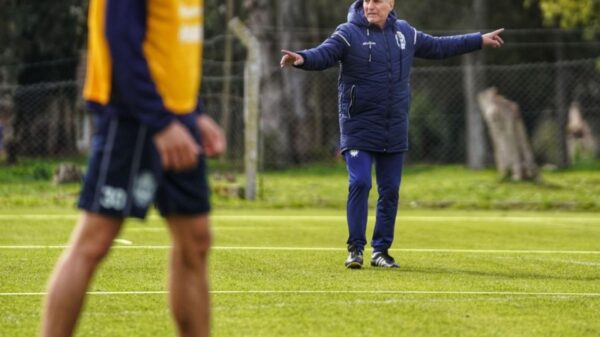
column 352, row 101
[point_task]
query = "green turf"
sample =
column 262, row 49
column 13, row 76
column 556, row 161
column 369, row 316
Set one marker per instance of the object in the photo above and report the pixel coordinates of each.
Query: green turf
column 280, row 273
column 325, row 186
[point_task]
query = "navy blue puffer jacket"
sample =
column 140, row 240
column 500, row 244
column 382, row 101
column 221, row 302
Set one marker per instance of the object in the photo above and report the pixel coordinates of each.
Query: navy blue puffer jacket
column 374, row 83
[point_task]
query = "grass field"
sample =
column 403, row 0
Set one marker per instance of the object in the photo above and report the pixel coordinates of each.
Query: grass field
column 325, row 186
column 278, row 272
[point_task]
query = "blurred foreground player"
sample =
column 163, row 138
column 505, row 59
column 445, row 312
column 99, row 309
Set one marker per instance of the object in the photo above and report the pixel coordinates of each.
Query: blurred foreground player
column 143, row 79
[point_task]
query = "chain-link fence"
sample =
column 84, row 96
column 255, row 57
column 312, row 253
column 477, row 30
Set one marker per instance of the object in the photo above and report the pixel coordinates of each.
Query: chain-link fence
column 544, row 93
column 44, row 117
column 299, row 117
column 299, row 121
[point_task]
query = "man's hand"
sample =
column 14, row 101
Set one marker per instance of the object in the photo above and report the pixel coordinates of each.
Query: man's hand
column 291, row 59
column 213, row 139
column 493, row 39
column 177, row 148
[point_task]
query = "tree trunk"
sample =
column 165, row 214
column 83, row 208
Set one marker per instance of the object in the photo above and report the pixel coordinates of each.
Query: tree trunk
column 512, row 151
column 580, row 138
column 291, row 14
column 562, row 110
column 273, row 127
column 227, row 64
column 84, row 124
column 314, row 103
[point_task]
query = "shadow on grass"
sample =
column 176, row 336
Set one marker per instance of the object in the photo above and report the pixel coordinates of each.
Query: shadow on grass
column 508, row 275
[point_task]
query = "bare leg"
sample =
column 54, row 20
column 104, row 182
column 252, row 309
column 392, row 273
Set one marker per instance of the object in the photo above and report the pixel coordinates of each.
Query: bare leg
column 188, row 281
column 90, row 242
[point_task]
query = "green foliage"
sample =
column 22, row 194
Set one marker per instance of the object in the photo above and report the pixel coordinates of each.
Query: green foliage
column 32, row 170
column 544, row 142
column 433, row 129
column 42, row 31
column 41, row 173
column 29, row 183
column 571, row 13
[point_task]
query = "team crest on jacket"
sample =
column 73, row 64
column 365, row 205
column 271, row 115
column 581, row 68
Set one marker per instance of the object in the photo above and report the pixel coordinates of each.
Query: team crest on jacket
column 401, row 40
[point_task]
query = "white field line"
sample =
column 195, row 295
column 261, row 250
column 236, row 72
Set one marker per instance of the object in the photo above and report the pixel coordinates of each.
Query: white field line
column 401, row 217
column 287, row 218
column 331, row 249
column 227, row 228
column 318, row 292
column 580, row 263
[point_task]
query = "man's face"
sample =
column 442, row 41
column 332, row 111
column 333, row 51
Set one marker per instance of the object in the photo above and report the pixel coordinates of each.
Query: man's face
column 377, row 11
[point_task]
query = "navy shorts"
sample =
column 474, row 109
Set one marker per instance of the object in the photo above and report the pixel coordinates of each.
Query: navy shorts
column 125, row 176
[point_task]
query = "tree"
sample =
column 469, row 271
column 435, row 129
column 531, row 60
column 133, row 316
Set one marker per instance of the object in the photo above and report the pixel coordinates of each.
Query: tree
column 291, row 13
column 260, row 20
column 45, row 41
column 513, row 154
column 567, row 14
column 571, row 13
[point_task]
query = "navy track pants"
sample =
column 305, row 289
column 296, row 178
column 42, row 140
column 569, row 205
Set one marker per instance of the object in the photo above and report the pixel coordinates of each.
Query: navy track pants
column 388, row 171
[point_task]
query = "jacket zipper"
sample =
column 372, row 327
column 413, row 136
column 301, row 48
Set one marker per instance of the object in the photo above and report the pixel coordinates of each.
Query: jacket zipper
column 388, row 112
column 352, row 98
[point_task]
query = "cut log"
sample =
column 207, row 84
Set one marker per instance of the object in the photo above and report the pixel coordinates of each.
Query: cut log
column 581, row 143
column 512, row 150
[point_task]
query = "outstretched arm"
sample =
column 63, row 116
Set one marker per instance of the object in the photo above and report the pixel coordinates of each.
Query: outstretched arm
column 290, row 59
column 434, row 47
column 327, row 54
column 493, row 39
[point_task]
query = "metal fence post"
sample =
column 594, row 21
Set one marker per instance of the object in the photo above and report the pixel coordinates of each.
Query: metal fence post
column 251, row 104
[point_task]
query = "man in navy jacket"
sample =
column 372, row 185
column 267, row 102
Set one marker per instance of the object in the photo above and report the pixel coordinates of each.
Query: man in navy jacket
column 375, row 51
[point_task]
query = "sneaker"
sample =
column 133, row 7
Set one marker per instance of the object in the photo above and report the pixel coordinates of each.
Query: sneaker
column 384, row 260
column 355, row 258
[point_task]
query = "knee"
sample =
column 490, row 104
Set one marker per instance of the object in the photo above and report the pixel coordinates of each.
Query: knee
column 202, row 241
column 361, row 184
column 196, row 249
column 389, row 195
column 93, row 238
column 91, row 252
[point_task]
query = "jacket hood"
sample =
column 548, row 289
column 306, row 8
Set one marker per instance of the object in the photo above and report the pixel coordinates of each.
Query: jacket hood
column 356, row 15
